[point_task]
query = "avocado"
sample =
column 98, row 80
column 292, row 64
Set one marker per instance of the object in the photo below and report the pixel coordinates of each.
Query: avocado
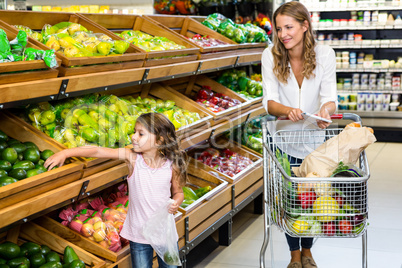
column 76, row 264
column 5, row 165
column 29, row 144
column 52, row 256
column 37, row 260
column 52, row 264
column 6, row 181
column 18, row 174
column 14, row 263
column 3, row 173
column 25, row 165
column 33, row 172
column 32, row 248
column 3, row 145
column 3, row 136
column 44, row 250
column 12, row 141
column 23, row 252
column 30, row 154
column 10, row 155
column 2, row 261
column 18, row 147
column 46, row 154
column 3, row 265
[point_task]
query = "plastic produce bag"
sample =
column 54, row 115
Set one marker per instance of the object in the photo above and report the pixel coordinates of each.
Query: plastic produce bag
column 160, row 232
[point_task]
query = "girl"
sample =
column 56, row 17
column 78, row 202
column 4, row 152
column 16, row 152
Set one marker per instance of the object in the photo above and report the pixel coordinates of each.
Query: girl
column 157, row 172
column 298, row 76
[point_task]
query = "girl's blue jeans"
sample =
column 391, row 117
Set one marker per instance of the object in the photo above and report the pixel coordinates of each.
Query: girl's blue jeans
column 142, row 255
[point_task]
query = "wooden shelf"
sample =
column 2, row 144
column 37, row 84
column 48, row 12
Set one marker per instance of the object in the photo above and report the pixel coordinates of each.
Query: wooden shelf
column 64, row 87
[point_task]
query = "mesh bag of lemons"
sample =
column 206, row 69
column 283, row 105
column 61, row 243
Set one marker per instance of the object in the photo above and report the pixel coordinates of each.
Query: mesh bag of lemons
column 74, row 40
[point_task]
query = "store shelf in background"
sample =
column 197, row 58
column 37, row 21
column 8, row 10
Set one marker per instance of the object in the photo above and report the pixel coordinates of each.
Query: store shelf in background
column 372, row 7
column 41, row 236
column 358, row 28
column 41, row 183
column 36, row 21
column 368, row 70
column 31, row 208
column 22, row 71
column 119, row 23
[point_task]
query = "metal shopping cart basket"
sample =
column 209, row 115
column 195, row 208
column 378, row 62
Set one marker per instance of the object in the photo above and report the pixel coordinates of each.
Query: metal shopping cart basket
column 312, row 207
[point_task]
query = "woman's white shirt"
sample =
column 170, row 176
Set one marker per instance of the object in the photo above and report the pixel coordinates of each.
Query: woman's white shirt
column 312, row 94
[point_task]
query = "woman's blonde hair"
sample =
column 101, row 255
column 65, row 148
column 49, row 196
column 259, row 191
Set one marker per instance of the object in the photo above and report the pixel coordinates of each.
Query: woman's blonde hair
column 165, row 132
column 281, row 69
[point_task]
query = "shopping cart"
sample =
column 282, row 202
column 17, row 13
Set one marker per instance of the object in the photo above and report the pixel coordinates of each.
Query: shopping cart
column 312, row 207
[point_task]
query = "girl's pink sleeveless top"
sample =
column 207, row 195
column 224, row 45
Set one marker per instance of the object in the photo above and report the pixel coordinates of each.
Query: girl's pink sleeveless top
column 149, row 189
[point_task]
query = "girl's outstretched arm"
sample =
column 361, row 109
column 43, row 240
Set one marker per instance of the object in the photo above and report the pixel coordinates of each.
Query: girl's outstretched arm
column 87, row 151
column 177, row 195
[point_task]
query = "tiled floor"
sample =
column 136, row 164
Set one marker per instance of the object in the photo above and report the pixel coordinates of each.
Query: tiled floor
column 384, row 231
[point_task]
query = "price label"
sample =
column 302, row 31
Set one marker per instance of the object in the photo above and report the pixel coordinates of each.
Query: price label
column 20, row 5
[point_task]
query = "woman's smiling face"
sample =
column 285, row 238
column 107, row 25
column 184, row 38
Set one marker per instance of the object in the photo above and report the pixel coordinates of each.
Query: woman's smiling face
column 290, row 32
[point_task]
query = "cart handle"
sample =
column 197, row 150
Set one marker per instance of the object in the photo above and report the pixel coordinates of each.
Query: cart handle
column 344, row 116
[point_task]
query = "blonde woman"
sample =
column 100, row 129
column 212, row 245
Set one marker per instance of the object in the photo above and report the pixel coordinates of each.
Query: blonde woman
column 298, row 76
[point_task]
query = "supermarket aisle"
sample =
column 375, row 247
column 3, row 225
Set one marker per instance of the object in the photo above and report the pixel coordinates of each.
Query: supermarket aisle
column 384, row 233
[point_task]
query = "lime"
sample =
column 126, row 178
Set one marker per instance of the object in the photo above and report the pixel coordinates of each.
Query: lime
column 258, row 93
column 18, row 146
column 31, row 154
column 251, row 91
column 30, row 144
column 10, row 155
column 5, row 165
column 18, row 173
column 46, row 154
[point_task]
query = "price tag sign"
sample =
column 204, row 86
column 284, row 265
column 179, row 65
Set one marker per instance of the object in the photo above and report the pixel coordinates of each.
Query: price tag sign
column 20, row 5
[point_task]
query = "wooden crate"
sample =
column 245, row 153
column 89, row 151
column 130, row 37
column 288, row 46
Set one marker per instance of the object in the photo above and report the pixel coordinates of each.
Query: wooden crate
column 23, row 71
column 39, row 235
column 119, row 23
column 201, row 178
column 221, row 142
column 188, row 27
column 41, row 183
column 158, row 91
column 189, row 87
column 36, row 21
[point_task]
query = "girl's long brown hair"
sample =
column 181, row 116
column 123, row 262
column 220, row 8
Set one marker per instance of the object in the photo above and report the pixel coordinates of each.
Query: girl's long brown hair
column 281, row 69
column 164, row 130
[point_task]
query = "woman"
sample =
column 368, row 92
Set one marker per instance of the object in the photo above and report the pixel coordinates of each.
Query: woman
column 298, row 76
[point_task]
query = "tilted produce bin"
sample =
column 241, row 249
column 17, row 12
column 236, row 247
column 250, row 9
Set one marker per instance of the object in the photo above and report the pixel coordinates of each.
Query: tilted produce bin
column 31, row 232
column 120, row 23
column 217, row 105
column 23, row 71
column 29, row 187
column 209, row 161
column 204, row 184
column 132, row 58
column 188, row 27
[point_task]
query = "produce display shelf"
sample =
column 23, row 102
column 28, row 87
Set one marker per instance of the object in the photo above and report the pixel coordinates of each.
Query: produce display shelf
column 369, row 70
column 119, row 23
column 37, row 20
column 360, row 27
column 35, row 206
column 39, row 235
column 63, row 87
column 372, row 7
column 22, row 71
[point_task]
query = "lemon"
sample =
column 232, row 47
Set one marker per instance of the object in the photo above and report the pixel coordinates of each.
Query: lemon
column 325, row 205
column 300, row 226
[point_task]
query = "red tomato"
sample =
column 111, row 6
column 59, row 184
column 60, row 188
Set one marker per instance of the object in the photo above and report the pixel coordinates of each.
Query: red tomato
column 345, row 227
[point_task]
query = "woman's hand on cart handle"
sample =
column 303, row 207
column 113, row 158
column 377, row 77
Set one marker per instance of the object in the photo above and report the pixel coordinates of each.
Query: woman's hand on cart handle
column 334, row 116
column 295, row 114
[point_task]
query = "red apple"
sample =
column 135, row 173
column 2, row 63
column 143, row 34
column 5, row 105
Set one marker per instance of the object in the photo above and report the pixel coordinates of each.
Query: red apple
column 87, row 229
column 329, row 228
column 214, row 100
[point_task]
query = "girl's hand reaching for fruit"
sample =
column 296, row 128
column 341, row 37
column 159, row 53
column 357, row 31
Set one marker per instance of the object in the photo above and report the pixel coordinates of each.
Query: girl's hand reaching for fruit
column 173, row 207
column 55, row 160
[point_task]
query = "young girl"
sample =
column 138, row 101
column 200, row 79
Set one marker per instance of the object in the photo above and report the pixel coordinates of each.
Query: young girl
column 157, row 172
